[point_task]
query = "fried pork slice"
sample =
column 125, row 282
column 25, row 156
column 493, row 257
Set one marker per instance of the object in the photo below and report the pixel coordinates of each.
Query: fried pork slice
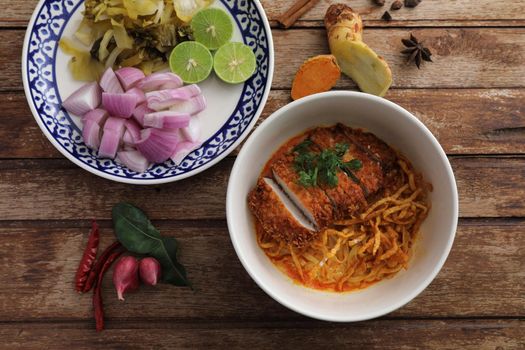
column 377, row 149
column 312, row 201
column 278, row 216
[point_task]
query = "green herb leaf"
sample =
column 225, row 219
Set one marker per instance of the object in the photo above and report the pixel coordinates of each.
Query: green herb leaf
column 303, row 146
column 354, row 164
column 136, row 233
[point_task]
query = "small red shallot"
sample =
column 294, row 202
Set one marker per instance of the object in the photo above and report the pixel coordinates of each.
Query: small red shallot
column 119, row 105
column 167, row 120
column 192, row 106
column 134, row 160
column 91, row 134
column 97, row 115
column 140, row 111
column 141, row 96
column 149, row 271
column 126, row 276
column 84, row 99
column 162, row 99
column 129, row 77
column 192, row 132
column 110, row 83
column 182, row 150
column 157, row 81
column 157, row 145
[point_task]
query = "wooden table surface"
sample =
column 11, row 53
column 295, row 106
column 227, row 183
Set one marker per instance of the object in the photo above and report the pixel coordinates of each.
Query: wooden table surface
column 472, row 98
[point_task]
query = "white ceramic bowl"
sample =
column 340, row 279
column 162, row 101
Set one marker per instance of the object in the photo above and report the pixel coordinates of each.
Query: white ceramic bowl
column 398, row 128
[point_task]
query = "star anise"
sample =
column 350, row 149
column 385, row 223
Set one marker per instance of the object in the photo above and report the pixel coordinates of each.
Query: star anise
column 416, row 51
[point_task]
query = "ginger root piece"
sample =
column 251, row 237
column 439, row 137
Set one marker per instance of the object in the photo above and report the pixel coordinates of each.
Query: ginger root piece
column 317, row 74
column 369, row 71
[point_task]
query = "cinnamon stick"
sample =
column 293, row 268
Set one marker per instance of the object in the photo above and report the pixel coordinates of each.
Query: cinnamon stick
column 299, row 8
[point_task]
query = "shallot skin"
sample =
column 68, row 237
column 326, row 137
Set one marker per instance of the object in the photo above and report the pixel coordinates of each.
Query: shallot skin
column 126, row 275
column 149, row 270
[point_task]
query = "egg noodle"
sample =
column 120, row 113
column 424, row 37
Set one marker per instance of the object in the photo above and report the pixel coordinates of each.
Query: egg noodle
column 362, row 249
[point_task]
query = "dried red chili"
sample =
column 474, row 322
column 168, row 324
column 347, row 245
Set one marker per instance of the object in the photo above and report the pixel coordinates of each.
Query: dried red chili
column 88, row 258
column 98, row 266
column 97, row 292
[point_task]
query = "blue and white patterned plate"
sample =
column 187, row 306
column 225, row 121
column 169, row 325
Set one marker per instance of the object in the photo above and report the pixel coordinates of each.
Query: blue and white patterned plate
column 232, row 109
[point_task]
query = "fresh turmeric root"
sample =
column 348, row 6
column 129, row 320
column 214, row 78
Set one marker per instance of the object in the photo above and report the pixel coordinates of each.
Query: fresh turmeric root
column 317, row 74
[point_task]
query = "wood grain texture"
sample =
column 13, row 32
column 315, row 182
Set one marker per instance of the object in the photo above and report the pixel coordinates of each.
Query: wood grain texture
column 380, row 334
column 40, row 261
column 465, row 121
column 428, row 13
column 463, row 58
column 59, row 190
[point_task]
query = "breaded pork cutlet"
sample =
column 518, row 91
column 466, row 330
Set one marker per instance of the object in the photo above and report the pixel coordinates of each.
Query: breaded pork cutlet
column 294, row 213
column 278, row 216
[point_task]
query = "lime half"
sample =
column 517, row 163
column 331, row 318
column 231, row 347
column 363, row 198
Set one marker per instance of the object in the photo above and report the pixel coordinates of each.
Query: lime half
column 191, row 61
column 234, row 63
column 212, row 27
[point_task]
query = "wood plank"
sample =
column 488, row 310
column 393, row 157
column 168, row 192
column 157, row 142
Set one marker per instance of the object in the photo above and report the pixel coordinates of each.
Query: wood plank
column 434, row 12
column 463, row 58
column 464, row 121
column 39, row 263
column 59, row 190
column 381, row 334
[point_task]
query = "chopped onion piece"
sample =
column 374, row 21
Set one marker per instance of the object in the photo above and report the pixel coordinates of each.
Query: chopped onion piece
column 97, row 115
column 140, row 111
column 109, row 144
column 115, row 124
column 192, row 132
column 182, row 150
column 157, row 145
column 167, row 120
column 163, row 99
column 127, row 139
column 83, row 100
column 119, row 105
column 134, row 160
column 133, row 128
column 157, row 80
column 110, row 83
column 141, row 96
column 91, row 134
column 192, row 106
column 129, row 76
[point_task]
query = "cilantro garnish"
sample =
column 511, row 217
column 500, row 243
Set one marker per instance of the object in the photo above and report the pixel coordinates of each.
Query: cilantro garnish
column 315, row 169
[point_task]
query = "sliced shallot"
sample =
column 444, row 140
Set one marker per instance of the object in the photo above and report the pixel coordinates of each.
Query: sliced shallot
column 133, row 128
column 163, row 99
column 97, row 115
column 192, row 106
column 157, row 145
column 134, row 160
column 182, row 150
column 91, row 134
column 83, row 100
column 140, row 111
column 110, row 83
column 141, row 96
column 119, row 105
column 156, row 81
column 167, row 120
column 192, row 132
column 129, row 76
column 111, row 136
